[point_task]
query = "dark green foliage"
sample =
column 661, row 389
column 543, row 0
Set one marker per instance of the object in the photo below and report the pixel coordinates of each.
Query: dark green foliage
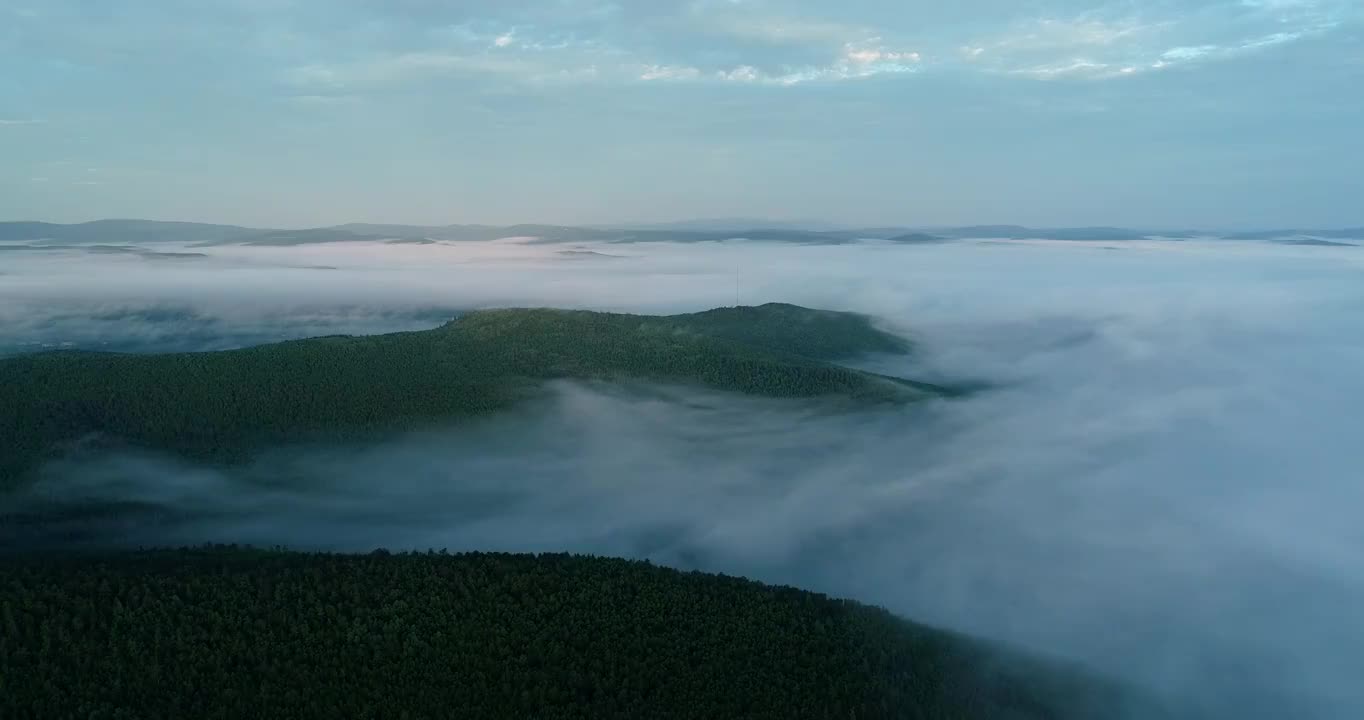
column 219, row 406
column 227, row 633
column 917, row 239
column 821, row 334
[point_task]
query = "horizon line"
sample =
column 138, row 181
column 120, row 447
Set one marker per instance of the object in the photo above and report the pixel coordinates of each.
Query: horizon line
column 804, row 225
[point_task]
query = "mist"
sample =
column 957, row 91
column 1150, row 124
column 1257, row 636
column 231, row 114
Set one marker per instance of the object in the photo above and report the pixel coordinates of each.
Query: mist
column 1163, row 481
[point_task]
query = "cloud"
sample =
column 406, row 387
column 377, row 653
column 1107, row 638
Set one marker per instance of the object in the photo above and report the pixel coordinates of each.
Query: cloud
column 857, row 60
column 586, row 63
column 741, row 74
column 867, row 56
column 408, row 67
column 723, row 41
column 1047, row 48
column 669, row 72
column 17, row 123
column 847, row 69
column 1092, row 45
column 785, row 43
column 1050, row 33
column 786, row 50
column 1162, row 486
column 1179, row 54
column 621, row 82
column 1074, row 67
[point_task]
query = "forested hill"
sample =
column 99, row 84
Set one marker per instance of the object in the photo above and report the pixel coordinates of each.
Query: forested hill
column 228, row 633
column 220, row 405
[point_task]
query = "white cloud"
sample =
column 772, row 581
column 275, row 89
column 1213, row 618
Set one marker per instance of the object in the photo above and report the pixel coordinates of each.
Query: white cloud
column 1092, row 47
column 1272, row 39
column 842, row 70
column 1051, row 33
column 14, row 123
column 869, row 56
column 669, row 72
column 1188, row 53
column 850, row 50
column 855, row 60
column 1186, row 406
column 743, row 73
column 1281, row 4
column 469, row 37
column 1078, row 66
column 1052, row 48
column 742, row 41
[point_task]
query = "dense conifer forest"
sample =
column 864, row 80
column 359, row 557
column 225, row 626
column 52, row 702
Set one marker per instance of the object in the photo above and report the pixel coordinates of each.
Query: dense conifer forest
column 219, row 406
column 242, row 633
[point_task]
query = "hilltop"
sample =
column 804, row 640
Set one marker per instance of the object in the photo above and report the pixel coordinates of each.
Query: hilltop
column 230, row 633
column 219, row 406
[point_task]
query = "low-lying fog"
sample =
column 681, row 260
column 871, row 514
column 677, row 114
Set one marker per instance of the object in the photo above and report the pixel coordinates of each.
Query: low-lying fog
column 1167, row 483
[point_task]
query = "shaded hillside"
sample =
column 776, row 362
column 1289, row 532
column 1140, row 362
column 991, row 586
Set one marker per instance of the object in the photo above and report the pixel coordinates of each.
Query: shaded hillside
column 314, row 236
column 821, row 334
column 1017, row 232
column 227, row 633
column 221, row 405
column 1325, row 234
column 917, row 239
column 1313, row 242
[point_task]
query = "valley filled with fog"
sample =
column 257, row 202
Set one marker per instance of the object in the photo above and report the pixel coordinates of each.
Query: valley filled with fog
column 1161, row 478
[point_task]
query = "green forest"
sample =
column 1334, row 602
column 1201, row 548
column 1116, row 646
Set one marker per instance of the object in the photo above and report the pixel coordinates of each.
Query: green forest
column 226, row 632
column 219, row 406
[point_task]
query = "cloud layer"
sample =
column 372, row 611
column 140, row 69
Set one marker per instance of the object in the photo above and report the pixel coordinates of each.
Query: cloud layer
column 1163, row 484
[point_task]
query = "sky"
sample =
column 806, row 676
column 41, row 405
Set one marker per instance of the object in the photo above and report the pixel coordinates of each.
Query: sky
column 1160, row 113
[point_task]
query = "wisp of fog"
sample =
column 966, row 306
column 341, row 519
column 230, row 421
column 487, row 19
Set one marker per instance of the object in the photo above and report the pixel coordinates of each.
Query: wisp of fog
column 1163, row 479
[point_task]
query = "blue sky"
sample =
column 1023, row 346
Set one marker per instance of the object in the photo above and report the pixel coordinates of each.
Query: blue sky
column 1197, row 113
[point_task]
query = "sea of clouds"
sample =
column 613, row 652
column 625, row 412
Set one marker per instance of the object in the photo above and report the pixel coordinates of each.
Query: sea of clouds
column 1165, row 481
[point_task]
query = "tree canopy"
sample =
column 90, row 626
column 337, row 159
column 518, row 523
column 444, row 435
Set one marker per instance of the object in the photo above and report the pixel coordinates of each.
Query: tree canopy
column 222, row 632
column 219, row 406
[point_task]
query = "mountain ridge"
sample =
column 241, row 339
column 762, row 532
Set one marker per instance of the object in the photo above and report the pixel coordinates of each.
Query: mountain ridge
column 221, row 405
column 132, row 231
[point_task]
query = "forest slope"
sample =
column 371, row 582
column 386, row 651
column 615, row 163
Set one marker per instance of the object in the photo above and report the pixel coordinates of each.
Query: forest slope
column 219, row 405
column 230, row 633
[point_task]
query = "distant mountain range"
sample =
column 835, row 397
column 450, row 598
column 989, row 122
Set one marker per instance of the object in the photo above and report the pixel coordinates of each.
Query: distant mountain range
column 124, row 232
column 1337, row 234
column 727, row 224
